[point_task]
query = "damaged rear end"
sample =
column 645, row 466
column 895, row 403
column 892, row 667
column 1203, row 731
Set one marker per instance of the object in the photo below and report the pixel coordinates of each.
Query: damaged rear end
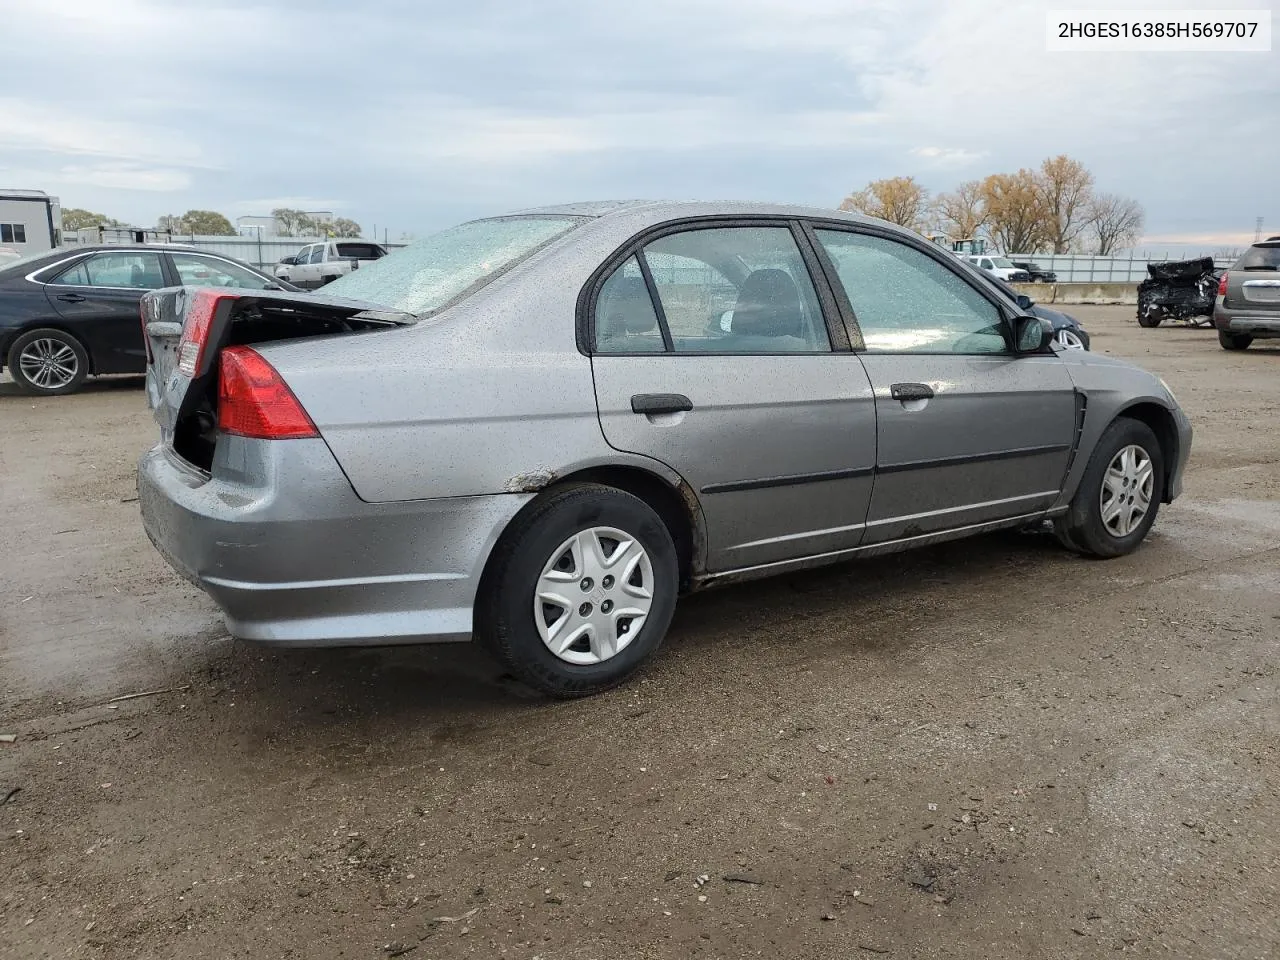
column 244, row 498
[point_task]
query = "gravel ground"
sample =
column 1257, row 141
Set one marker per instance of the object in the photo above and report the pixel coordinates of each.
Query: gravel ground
column 990, row 748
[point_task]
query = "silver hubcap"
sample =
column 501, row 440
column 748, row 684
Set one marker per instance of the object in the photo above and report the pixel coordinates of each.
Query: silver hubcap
column 593, row 596
column 1126, row 491
column 1070, row 340
column 48, row 363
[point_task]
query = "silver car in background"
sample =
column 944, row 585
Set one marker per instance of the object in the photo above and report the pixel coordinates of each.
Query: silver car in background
column 538, row 430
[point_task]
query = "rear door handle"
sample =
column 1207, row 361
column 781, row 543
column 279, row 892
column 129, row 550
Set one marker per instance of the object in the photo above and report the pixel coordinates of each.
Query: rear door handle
column 71, row 298
column 911, row 391
column 660, row 403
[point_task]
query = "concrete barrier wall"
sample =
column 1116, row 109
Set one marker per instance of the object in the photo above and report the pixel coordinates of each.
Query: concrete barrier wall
column 1050, row 293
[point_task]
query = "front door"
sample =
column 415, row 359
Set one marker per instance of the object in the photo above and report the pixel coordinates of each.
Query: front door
column 712, row 355
column 98, row 297
column 969, row 432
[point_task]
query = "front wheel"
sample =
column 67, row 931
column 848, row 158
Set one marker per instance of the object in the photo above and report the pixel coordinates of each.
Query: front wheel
column 1150, row 318
column 580, row 590
column 1234, row 341
column 1119, row 495
column 48, row 362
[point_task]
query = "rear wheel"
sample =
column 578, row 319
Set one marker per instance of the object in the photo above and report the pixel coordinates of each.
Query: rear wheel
column 580, row 590
column 1234, row 341
column 48, row 361
column 1150, row 318
column 1119, row 495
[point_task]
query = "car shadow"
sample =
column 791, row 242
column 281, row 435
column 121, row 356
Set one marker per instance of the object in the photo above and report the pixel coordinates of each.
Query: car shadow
column 94, row 385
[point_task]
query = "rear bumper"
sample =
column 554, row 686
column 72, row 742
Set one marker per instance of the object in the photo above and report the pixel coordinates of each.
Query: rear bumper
column 293, row 557
column 1255, row 324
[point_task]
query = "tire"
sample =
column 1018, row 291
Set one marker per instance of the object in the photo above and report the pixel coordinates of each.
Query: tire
column 1234, row 341
column 1083, row 528
column 1149, row 319
column 537, row 544
column 48, row 362
column 324, row 280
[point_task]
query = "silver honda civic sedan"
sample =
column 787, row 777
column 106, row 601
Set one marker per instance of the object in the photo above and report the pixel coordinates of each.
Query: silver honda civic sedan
column 538, row 430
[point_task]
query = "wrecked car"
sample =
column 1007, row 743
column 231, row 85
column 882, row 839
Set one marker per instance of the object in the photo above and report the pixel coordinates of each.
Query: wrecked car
column 535, row 431
column 1179, row 290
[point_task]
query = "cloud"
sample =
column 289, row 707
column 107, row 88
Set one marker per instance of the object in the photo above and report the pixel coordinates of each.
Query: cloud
column 948, row 156
column 109, row 176
column 249, row 207
column 33, row 125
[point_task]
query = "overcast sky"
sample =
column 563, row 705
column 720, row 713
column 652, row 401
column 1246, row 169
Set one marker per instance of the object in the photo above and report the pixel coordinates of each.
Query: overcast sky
column 414, row 114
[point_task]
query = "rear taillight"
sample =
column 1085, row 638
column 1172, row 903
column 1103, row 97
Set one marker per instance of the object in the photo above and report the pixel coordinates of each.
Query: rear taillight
column 1222, row 284
column 253, row 400
column 195, row 328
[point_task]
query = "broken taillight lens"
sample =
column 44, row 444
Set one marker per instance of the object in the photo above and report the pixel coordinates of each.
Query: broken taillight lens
column 254, row 401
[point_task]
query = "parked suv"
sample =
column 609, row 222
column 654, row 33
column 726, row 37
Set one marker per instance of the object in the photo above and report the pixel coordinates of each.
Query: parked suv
column 319, row 263
column 1000, row 267
column 1248, row 303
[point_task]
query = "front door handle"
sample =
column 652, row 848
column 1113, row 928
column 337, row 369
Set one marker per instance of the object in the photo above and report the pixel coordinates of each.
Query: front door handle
column 660, row 403
column 71, row 298
column 911, row 391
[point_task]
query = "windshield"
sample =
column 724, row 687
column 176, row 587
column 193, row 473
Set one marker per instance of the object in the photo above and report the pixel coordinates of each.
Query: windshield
column 428, row 275
column 1002, row 263
column 1260, row 257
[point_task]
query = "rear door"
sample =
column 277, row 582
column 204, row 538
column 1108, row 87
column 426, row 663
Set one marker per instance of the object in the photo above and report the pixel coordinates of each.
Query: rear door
column 711, row 353
column 98, row 298
column 968, row 431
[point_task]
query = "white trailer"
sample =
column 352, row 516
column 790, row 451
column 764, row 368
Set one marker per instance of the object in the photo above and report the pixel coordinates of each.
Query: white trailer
column 30, row 221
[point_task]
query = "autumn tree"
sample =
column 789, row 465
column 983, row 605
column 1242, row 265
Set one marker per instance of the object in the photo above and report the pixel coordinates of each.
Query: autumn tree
column 963, row 210
column 1114, row 222
column 342, row 227
column 1066, row 191
column 899, row 200
column 1016, row 215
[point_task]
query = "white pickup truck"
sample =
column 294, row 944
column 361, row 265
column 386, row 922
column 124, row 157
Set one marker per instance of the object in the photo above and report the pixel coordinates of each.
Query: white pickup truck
column 318, row 263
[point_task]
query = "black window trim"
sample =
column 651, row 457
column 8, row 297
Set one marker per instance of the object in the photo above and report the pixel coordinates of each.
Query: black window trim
column 1003, row 310
column 837, row 332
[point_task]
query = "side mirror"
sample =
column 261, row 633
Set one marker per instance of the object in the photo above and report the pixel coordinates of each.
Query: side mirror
column 1025, row 302
column 1032, row 334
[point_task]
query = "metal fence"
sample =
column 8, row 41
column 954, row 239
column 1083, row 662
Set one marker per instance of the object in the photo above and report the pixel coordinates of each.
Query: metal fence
column 1083, row 268
column 259, row 252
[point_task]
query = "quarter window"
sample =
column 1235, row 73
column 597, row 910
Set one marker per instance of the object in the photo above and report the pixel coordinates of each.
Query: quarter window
column 13, row 233
column 905, row 301
column 736, row 290
column 625, row 319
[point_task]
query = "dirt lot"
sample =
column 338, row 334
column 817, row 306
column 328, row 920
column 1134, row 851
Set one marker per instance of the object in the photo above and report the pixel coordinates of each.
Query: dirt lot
column 989, row 749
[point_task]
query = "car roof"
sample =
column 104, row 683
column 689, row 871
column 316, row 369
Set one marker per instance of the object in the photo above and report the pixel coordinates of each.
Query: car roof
column 660, row 210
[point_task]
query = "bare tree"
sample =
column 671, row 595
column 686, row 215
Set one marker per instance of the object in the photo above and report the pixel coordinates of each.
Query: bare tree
column 1066, row 191
column 1116, row 222
column 899, row 200
column 291, row 221
column 1016, row 215
column 963, row 209
column 342, row 227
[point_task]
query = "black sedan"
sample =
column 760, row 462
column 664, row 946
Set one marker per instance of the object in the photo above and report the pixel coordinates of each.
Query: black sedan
column 1066, row 328
column 72, row 313
column 1037, row 273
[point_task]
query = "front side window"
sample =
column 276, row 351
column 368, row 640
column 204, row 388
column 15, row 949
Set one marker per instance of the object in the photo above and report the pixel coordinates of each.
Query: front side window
column 439, row 270
column 625, row 319
column 907, row 302
column 317, row 255
column 197, row 271
column 736, row 290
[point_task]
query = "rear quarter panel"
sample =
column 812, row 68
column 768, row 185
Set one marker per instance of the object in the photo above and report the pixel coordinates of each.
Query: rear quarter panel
column 491, row 396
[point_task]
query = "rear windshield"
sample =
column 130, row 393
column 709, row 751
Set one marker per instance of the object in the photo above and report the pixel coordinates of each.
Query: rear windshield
column 432, row 273
column 1260, row 257
column 361, row 251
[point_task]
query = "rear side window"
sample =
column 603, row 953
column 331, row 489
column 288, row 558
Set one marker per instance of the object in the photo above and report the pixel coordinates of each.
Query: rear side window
column 736, row 290
column 1260, row 257
column 625, row 318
